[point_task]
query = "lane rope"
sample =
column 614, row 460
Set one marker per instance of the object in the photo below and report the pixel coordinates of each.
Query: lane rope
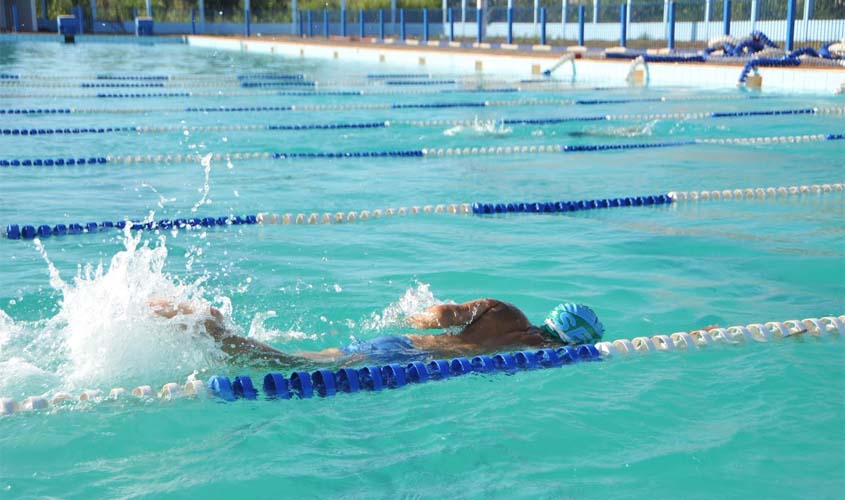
column 836, row 110
column 27, row 232
column 180, row 158
column 377, row 106
column 373, row 378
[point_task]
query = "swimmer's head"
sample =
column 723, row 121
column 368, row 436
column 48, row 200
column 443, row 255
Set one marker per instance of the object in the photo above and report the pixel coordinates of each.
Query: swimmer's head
column 572, row 324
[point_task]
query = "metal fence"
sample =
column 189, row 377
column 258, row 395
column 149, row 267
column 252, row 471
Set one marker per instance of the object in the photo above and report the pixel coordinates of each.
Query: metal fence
column 696, row 21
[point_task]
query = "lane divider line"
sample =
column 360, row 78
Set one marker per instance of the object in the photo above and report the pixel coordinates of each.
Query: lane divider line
column 323, row 383
column 28, row 232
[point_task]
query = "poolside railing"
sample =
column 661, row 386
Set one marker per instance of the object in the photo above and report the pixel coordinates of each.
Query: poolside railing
column 638, row 22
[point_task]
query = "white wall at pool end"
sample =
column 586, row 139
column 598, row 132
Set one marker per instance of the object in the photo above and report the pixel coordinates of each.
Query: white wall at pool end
column 611, row 72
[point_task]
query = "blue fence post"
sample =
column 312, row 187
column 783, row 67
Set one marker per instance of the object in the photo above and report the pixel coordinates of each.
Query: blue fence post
column 381, row 24
column 510, row 25
column 362, row 29
column 246, row 19
column 80, row 19
column 15, row 19
column 726, row 15
column 425, row 25
column 342, row 22
column 542, row 26
column 451, row 25
column 325, row 22
column 310, row 24
column 671, row 25
column 790, row 24
column 479, row 18
column 402, row 24
column 581, row 25
column 301, row 28
column 193, row 22
column 623, row 29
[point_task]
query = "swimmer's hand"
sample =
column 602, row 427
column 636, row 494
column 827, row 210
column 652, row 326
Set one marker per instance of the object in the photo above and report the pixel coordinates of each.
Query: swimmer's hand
column 166, row 309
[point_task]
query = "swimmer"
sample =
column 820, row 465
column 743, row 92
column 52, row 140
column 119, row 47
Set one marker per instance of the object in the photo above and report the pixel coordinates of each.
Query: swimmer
column 483, row 326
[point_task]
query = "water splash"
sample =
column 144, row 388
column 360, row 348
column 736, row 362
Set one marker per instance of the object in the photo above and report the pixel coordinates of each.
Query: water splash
column 638, row 130
column 105, row 332
column 259, row 331
column 206, row 167
column 481, row 128
column 415, row 299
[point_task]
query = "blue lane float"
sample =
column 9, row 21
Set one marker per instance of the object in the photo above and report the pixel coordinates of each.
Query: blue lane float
column 569, row 206
column 271, row 76
column 327, row 383
column 104, row 95
column 131, row 77
column 28, row 232
column 382, row 76
column 419, row 82
column 292, row 83
column 120, row 85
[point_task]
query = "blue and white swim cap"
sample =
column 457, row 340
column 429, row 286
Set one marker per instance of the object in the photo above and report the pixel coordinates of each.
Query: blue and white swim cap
column 573, row 324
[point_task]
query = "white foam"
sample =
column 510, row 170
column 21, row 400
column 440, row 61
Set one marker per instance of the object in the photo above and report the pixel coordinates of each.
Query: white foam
column 105, row 332
column 416, row 299
column 259, row 331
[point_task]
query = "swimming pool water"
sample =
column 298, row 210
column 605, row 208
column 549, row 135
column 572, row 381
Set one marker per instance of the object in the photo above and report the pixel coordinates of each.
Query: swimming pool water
column 752, row 421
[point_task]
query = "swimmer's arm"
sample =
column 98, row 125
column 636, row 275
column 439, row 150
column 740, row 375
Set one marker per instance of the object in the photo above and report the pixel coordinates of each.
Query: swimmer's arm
column 233, row 345
column 447, row 315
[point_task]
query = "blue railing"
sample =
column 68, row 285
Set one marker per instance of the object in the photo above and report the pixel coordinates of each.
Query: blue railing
column 696, row 21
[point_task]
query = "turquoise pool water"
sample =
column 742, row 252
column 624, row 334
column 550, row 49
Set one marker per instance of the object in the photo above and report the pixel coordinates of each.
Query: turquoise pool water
column 749, row 421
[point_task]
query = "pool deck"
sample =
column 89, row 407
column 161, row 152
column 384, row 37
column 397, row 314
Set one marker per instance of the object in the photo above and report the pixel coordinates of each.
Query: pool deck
column 526, row 62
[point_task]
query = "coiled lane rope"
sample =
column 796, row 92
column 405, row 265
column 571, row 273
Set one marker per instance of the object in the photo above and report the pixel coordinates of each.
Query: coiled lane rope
column 27, row 232
column 354, row 107
column 153, row 129
column 412, row 153
column 327, row 383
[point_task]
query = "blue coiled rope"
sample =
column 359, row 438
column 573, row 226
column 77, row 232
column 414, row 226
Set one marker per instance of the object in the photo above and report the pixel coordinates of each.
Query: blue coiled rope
column 419, row 82
column 657, row 58
column 569, row 206
column 9, row 76
column 440, row 105
column 271, row 76
column 66, row 131
column 144, row 96
column 327, row 383
column 87, row 85
column 381, row 76
column 322, row 93
column 131, row 77
column 237, row 109
column 252, row 85
column 580, row 148
column 27, row 232
column 767, row 62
